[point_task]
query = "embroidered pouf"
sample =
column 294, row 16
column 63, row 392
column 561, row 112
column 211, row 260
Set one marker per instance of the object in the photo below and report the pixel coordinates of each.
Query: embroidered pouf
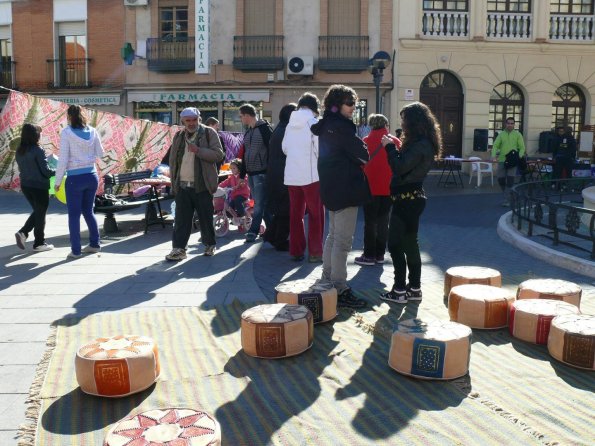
column 461, row 275
column 572, row 340
column 165, row 427
column 277, row 330
column 322, row 304
column 479, row 306
column 550, row 289
column 117, row 366
column 530, row 319
column 430, row 349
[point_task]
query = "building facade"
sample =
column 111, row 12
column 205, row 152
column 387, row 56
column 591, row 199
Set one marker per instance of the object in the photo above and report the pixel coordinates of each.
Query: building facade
column 474, row 62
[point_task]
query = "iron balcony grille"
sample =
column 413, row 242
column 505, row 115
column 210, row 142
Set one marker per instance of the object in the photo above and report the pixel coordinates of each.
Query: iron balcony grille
column 68, row 73
column 7, row 77
column 258, row 53
column 343, row 53
column 170, row 54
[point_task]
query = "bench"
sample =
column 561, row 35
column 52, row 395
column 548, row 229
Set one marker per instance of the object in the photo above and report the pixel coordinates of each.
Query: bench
column 111, row 182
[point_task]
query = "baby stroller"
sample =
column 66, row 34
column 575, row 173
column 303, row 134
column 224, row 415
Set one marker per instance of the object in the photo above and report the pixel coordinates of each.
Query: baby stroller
column 226, row 215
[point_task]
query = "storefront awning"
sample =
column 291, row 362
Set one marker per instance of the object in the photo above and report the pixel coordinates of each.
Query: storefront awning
column 198, row 96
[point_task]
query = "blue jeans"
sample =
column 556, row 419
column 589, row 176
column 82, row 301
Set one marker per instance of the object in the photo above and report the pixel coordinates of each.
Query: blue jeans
column 80, row 198
column 257, row 188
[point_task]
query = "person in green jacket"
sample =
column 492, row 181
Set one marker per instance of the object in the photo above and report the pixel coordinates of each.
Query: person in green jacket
column 507, row 140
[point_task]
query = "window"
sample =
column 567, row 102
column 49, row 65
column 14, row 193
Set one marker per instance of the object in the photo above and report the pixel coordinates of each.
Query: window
column 509, row 5
column 571, row 7
column 72, row 61
column 344, row 17
column 446, row 5
column 173, row 23
column 6, row 63
column 507, row 100
column 568, row 108
column 441, row 79
column 259, row 17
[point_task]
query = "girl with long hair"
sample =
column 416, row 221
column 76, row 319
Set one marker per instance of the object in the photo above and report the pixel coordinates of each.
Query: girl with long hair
column 79, row 149
column 410, row 165
column 35, row 181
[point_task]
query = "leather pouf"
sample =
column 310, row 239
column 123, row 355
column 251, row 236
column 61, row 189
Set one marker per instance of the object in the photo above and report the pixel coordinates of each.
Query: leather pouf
column 322, row 304
column 554, row 289
column 430, row 349
column 117, row 366
column 277, row 330
column 165, row 427
column 479, row 306
column 461, row 275
column 572, row 340
column 530, row 319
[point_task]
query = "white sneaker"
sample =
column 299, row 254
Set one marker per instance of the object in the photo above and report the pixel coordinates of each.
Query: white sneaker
column 72, row 255
column 91, row 249
column 20, row 239
column 44, row 247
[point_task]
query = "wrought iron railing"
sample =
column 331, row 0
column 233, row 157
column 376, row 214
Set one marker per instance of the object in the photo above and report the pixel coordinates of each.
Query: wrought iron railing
column 68, row 73
column 343, row 53
column 557, row 207
column 577, row 28
column 7, row 75
column 258, row 53
column 509, row 25
column 445, row 24
column 170, row 54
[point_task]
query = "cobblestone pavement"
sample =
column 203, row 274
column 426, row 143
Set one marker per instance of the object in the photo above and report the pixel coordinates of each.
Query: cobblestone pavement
column 457, row 228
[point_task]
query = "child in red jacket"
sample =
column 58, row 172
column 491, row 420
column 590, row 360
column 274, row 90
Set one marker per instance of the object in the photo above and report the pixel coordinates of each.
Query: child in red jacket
column 240, row 191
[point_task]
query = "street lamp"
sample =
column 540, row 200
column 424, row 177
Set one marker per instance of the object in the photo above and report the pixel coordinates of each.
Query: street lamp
column 376, row 67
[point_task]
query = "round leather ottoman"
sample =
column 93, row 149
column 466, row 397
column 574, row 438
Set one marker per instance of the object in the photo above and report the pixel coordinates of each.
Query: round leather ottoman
column 530, row 319
column 550, row 289
column 572, row 340
column 322, row 304
column 117, row 366
column 277, row 330
column 430, row 349
column 479, row 306
column 461, row 275
column 165, row 427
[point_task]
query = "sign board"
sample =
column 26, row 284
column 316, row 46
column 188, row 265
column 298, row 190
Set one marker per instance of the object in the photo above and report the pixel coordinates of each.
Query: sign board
column 87, row 99
column 409, row 95
column 198, row 96
column 201, row 36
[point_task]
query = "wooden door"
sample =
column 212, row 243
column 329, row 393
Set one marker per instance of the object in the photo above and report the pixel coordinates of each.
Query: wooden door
column 443, row 94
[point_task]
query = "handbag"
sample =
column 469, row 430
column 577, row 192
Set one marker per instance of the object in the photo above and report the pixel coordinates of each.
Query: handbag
column 512, row 159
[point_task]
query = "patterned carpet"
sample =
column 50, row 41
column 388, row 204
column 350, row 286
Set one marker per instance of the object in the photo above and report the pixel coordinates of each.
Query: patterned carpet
column 341, row 391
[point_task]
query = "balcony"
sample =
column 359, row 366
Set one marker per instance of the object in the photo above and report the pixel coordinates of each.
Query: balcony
column 258, row 53
column 170, row 54
column 452, row 24
column 343, row 53
column 7, row 77
column 68, row 73
column 571, row 28
column 509, row 26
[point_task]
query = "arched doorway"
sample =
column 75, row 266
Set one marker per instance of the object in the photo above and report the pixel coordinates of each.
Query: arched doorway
column 443, row 93
column 507, row 100
column 568, row 108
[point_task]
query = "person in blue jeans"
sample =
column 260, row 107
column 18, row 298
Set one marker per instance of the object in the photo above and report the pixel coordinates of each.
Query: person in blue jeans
column 255, row 161
column 79, row 149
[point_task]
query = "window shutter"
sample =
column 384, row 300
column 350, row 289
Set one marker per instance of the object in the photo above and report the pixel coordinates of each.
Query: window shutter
column 259, row 17
column 5, row 32
column 344, row 17
column 71, row 28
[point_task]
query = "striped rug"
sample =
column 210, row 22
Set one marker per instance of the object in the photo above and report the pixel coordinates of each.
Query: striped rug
column 341, row 391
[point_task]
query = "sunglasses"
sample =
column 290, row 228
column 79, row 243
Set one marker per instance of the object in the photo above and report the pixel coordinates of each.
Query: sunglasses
column 349, row 103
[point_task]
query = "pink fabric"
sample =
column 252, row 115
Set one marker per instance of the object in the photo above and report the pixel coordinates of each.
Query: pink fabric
column 300, row 198
column 129, row 144
column 233, row 182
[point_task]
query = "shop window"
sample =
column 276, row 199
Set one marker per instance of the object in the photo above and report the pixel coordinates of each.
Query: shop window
column 507, row 100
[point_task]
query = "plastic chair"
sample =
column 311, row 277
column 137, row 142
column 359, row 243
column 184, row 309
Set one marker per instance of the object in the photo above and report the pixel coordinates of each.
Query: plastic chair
column 479, row 167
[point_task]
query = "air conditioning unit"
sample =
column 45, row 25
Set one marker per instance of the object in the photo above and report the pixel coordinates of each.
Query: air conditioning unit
column 136, row 2
column 300, row 65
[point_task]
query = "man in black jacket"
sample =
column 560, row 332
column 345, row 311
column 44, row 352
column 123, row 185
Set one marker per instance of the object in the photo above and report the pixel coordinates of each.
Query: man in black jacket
column 564, row 153
column 256, row 156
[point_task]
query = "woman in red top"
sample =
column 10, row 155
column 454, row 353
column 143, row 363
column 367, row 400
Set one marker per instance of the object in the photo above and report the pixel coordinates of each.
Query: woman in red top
column 240, row 191
column 376, row 211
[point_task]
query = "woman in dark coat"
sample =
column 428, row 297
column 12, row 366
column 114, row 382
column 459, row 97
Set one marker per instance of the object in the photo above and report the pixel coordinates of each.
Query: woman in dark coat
column 277, row 234
column 410, row 166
